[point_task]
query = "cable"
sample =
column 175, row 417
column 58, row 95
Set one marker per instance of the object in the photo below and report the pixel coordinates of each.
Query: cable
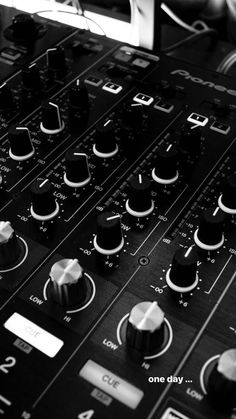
column 176, row 19
column 71, row 13
column 191, row 39
column 200, row 23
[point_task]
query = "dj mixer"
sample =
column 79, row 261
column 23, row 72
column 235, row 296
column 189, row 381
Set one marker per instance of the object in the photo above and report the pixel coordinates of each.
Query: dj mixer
column 117, row 229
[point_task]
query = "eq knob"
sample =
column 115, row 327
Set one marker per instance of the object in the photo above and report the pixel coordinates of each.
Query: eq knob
column 227, row 200
column 44, row 206
column 56, row 59
column 209, row 236
column 105, row 141
column 31, row 77
column 10, row 249
column 52, row 122
column 67, row 285
column 182, row 276
column 77, row 172
column 165, row 171
column 6, row 98
column 21, row 147
column 109, row 239
column 221, row 384
column 145, row 331
column 139, row 203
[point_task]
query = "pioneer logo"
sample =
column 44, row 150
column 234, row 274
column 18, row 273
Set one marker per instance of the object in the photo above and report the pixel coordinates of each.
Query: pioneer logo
column 194, row 79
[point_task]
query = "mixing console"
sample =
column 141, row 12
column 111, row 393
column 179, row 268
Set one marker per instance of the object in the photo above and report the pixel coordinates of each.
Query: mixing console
column 117, row 233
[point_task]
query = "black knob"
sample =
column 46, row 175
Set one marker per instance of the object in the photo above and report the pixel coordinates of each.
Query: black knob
column 77, row 172
column 31, row 77
column 67, row 285
column 10, row 248
column 109, row 239
column 167, row 90
column 105, row 141
column 6, row 98
column 221, row 384
column 209, row 235
column 78, row 95
column 182, row 276
column 44, row 206
column 24, row 27
column 52, row 122
column 56, row 59
column 21, row 147
column 189, row 141
column 132, row 116
column 139, row 203
column 227, row 201
column 165, row 171
column 145, row 333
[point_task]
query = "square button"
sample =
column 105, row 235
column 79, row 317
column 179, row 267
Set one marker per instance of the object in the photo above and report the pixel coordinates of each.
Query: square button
column 197, row 119
column 221, row 128
column 122, row 56
column 139, row 62
column 143, row 99
column 164, row 106
column 11, row 54
column 94, row 81
column 171, row 413
column 112, row 88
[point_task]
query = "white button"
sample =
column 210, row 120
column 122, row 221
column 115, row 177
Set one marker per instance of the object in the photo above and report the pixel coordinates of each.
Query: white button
column 173, row 414
column 143, row 99
column 197, row 119
column 111, row 384
column 34, row 335
column 112, row 88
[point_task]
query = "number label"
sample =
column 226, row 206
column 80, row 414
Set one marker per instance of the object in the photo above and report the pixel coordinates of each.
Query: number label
column 9, row 363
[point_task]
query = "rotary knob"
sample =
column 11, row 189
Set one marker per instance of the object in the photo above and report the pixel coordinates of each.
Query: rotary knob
column 132, row 115
column 145, row 332
column 78, row 106
column 165, row 171
column 6, row 98
column 227, row 200
column 31, row 77
column 221, row 383
column 56, row 59
column 10, row 248
column 105, row 141
column 139, row 203
column 21, row 147
column 109, row 239
column 182, row 276
column 67, row 284
column 189, row 141
column 24, row 27
column 209, row 236
column 52, row 122
column 78, row 95
column 44, row 206
column 77, row 172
